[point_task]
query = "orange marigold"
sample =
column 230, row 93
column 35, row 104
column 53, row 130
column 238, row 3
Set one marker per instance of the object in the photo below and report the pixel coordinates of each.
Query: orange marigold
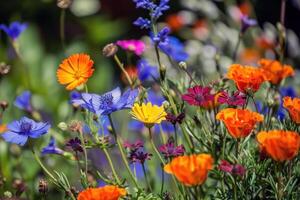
column 108, row 192
column 274, row 71
column 278, row 144
column 239, row 122
column 246, row 78
column 190, row 170
column 293, row 106
column 75, row 70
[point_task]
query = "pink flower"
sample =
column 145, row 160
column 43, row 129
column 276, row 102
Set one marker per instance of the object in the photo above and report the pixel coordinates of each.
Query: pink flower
column 236, row 169
column 199, row 96
column 236, row 99
column 136, row 46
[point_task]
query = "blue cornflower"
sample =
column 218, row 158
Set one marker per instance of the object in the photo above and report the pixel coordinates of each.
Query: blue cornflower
column 158, row 10
column 146, row 71
column 51, row 148
column 18, row 131
column 23, row 101
column 174, row 48
column 162, row 36
column 142, row 23
column 107, row 103
column 146, row 4
column 288, row 91
column 14, row 29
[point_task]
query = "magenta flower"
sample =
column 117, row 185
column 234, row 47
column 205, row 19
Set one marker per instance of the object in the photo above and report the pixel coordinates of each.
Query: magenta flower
column 199, row 96
column 135, row 152
column 169, row 150
column 236, row 169
column 236, row 99
column 136, row 46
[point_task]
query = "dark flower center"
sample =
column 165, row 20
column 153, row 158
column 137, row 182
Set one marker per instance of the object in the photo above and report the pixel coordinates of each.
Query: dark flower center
column 26, row 127
column 106, row 100
column 199, row 98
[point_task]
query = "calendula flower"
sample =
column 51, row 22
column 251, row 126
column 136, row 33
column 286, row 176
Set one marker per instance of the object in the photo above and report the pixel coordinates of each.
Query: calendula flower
column 239, row 122
column 135, row 46
column 275, row 71
column 19, row 131
column 246, row 78
column 278, row 144
column 190, row 170
column 75, row 70
column 108, row 192
column 148, row 114
column 293, row 106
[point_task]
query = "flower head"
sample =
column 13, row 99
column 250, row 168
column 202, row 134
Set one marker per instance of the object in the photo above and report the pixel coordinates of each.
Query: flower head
column 75, row 144
column 239, row 122
column 190, row 170
column 200, row 96
column 148, row 114
column 51, row 148
column 247, row 23
column 236, row 169
column 23, row 101
column 135, row 46
column 146, row 71
column 19, row 131
column 246, row 78
column 278, row 144
column 275, row 71
column 174, row 48
column 107, row 103
column 175, row 119
column 108, row 192
column 142, row 23
column 14, row 30
column 236, row 99
column 169, row 150
column 161, row 38
column 293, row 106
column 75, row 70
column 135, row 152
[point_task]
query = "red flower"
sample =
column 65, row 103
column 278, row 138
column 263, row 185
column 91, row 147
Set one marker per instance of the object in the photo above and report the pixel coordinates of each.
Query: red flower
column 199, row 96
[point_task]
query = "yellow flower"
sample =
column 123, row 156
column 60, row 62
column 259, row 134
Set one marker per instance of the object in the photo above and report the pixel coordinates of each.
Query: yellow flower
column 148, row 114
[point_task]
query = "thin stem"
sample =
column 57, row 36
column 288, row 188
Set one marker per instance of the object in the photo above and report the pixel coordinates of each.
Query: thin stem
column 146, row 177
column 175, row 134
column 282, row 30
column 159, row 62
column 62, row 27
column 122, row 152
column 111, row 165
column 237, row 47
column 43, row 166
column 154, row 148
column 282, row 12
column 121, row 66
column 84, row 151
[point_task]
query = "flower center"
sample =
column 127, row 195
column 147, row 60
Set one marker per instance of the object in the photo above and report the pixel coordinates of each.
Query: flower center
column 106, row 100
column 199, row 98
column 26, row 127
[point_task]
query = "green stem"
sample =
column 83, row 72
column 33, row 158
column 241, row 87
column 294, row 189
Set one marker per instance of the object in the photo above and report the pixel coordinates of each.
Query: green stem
column 121, row 66
column 122, row 152
column 237, row 47
column 111, row 165
column 146, row 177
column 43, row 167
column 84, row 151
column 62, row 27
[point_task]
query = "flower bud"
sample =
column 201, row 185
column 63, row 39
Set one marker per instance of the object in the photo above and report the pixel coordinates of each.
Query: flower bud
column 64, row 4
column 110, row 50
column 4, row 68
column 172, row 93
column 162, row 72
column 166, row 105
column 63, row 126
column 20, row 186
column 75, row 126
column 183, row 65
column 43, row 186
column 3, row 105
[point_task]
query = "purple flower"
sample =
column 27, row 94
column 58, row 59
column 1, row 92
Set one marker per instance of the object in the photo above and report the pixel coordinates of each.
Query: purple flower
column 174, row 48
column 247, row 23
column 107, row 103
column 133, row 146
column 146, row 4
column 162, row 36
column 146, row 71
column 14, row 29
column 173, row 119
column 236, row 99
column 236, row 169
column 135, row 152
column 169, row 150
column 142, row 23
column 140, row 157
column 75, row 145
column 19, row 131
column 23, row 101
column 159, row 9
column 51, row 148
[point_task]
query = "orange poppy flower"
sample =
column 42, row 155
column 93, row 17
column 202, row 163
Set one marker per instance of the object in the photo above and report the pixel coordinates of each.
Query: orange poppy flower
column 274, row 71
column 279, row 145
column 108, row 192
column 293, row 106
column 239, row 122
column 246, row 77
column 75, row 70
column 190, row 170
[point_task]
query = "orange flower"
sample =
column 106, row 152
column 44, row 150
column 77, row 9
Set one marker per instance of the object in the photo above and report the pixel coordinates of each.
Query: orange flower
column 293, row 106
column 246, row 77
column 108, row 192
column 3, row 128
column 274, row 71
column 278, row 144
column 75, row 70
column 190, row 170
column 238, row 122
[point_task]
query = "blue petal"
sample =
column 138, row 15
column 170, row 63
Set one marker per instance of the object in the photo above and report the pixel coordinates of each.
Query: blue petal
column 14, row 138
column 39, row 129
column 23, row 101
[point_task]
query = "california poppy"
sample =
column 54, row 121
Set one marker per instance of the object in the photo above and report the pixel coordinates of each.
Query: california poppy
column 293, row 106
column 108, row 192
column 278, row 144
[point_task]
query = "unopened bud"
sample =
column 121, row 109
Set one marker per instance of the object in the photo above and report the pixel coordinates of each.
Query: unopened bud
column 110, row 50
column 19, row 185
column 63, row 126
column 162, row 72
column 4, row 68
column 183, row 65
column 43, row 187
column 64, row 4
column 3, row 105
column 166, row 105
column 172, row 93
